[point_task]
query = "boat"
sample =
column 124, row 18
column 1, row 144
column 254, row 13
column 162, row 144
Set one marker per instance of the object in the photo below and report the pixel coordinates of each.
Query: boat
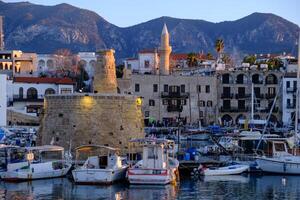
column 221, row 171
column 38, row 162
column 281, row 160
column 158, row 165
column 103, row 165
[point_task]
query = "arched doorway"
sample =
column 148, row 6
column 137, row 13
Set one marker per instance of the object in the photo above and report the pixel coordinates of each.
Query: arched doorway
column 32, row 93
column 227, row 120
column 49, row 91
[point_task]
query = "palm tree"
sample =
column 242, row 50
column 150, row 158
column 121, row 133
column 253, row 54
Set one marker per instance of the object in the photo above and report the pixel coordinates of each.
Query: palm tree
column 209, row 56
column 219, row 46
column 192, row 60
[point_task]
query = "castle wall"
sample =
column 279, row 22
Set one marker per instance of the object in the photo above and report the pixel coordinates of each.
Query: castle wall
column 78, row 119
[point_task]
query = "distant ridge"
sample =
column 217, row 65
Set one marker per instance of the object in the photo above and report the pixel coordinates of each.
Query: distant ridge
column 44, row 29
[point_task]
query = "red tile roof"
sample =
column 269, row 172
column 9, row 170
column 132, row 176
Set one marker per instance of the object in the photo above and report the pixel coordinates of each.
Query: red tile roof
column 65, row 81
column 184, row 56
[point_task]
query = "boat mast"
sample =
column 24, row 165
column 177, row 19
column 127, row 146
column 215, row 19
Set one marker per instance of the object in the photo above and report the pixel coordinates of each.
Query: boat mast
column 297, row 90
column 252, row 103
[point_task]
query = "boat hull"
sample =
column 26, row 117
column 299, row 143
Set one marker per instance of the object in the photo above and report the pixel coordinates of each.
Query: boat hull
column 152, row 177
column 36, row 171
column 272, row 165
column 230, row 170
column 98, row 176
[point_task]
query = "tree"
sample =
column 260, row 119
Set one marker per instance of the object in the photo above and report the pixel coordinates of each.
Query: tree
column 209, row 56
column 274, row 64
column 119, row 71
column 192, row 59
column 219, row 47
column 250, row 59
column 226, row 59
column 80, row 78
column 65, row 60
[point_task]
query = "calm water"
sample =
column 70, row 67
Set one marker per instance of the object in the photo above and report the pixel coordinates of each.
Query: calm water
column 230, row 187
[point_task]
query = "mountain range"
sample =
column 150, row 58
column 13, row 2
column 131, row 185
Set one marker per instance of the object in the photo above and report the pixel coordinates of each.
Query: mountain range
column 44, row 29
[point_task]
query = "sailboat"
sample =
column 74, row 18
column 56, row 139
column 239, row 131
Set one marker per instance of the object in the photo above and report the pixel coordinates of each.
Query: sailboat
column 281, row 160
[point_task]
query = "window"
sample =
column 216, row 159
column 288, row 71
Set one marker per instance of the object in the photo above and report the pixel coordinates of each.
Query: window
column 155, row 87
column 165, row 102
column 21, row 91
column 182, row 88
column 288, row 101
column 65, row 90
column 147, row 113
column 201, row 114
column 128, row 66
column 174, row 102
column 288, row 84
column 209, row 103
column 137, row 87
column 199, row 88
column 201, row 103
column 151, row 102
column 166, row 88
column 147, row 63
column 49, row 91
column 32, row 93
column 295, row 84
column 207, row 89
column 271, row 91
column 183, row 102
column 174, row 89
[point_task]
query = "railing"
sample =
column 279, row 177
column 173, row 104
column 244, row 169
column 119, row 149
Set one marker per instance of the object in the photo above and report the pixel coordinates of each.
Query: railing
column 270, row 96
column 227, row 96
column 172, row 108
column 290, row 106
column 291, row 90
column 260, row 96
column 242, row 96
column 184, row 95
column 28, row 98
column 258, row 82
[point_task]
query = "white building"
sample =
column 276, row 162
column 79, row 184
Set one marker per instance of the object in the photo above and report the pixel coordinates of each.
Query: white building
column 289, row 98
column 3, row 99
column 26, row 94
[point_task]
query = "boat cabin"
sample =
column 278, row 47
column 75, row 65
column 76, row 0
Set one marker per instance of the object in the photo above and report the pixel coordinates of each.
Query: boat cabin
column 44, row 153
column 156, row 152
column 98, row 157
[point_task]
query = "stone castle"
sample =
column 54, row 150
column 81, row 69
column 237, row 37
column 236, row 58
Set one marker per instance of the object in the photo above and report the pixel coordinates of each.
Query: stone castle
column 103, row 117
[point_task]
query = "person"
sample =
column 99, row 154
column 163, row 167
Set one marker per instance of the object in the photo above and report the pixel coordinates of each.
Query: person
column 33, row 140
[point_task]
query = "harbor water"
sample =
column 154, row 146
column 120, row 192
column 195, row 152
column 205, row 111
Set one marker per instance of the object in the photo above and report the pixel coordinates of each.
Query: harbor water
column 226, row 187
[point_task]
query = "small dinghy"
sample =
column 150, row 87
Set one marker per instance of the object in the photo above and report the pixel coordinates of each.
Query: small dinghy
column 219, row 171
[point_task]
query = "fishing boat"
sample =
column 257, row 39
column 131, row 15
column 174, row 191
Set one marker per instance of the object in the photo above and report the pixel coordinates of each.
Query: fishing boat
column 103, row 165
column 36, row 163
column 221, row 171
column 282, row 161
column 158, row 165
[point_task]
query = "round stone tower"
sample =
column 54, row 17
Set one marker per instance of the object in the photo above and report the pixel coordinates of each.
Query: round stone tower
column 105, row 80
column 164, row 52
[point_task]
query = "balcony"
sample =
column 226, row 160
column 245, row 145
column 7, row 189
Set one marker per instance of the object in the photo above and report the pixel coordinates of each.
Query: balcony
column 17, row 98
column 174, row 95
column 291, row 90
column 242, row 96
column 270, row 96
column 290, row 106
column 259, row 96
column 227, row 96
column 225, row 109
column 173, row 108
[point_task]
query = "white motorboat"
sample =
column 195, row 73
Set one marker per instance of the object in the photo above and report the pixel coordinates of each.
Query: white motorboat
column 280, row 161
column 221, row 171
column 157, row 166
column 37, row 163
column 104, row 167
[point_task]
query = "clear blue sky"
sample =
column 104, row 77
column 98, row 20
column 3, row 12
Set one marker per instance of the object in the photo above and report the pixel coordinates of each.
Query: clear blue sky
column 130, row 12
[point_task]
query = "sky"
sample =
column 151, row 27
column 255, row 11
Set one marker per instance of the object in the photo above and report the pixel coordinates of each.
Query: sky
column 125, row 13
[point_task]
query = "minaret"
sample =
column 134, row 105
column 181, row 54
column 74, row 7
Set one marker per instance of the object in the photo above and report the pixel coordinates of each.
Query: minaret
column 105, row 80
column 1, row 34
column 164, row 52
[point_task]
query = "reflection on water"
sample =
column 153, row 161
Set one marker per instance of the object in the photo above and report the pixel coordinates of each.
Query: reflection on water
column 217, row 187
